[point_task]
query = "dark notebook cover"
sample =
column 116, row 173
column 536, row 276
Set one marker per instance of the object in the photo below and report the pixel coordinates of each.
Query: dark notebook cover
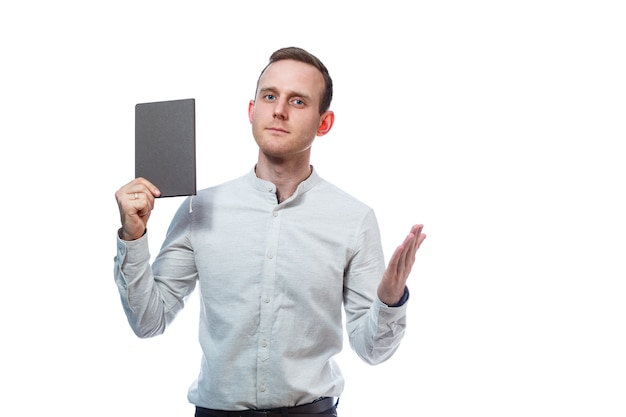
column 165, row 145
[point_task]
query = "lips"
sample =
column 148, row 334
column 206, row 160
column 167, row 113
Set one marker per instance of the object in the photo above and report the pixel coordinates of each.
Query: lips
column 277, row 130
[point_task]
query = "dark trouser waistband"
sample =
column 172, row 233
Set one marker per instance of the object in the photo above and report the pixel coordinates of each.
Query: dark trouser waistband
column 323, row 407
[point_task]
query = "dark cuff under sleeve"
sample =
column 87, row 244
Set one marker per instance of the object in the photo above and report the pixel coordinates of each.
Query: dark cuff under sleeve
column 404, row 298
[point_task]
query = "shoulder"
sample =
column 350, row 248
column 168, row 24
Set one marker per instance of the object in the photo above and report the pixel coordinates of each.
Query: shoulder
column 340, row 197
column 223, row 188
column 333, row 205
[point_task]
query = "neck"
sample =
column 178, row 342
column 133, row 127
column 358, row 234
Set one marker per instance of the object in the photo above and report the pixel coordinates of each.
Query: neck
column 285, row 175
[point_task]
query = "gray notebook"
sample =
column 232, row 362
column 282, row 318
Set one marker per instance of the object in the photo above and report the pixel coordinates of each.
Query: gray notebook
column 165, row 145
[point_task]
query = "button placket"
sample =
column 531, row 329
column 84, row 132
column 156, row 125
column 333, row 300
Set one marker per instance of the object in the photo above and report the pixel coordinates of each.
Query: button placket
column 267, row 309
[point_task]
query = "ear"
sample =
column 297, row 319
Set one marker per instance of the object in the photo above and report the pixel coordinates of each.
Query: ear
column 326, row 123
column 251, row 110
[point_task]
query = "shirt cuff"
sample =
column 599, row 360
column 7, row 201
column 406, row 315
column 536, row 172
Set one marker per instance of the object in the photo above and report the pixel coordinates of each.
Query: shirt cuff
column 403, row 300
column 133, row 251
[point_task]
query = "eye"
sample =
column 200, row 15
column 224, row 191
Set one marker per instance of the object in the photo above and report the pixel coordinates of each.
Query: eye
column 298, row 102
column 269, row 97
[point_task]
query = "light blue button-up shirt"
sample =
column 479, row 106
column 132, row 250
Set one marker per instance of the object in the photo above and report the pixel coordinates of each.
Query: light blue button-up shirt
column 273, row 279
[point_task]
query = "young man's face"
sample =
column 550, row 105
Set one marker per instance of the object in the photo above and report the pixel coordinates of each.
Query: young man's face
column 285, row 116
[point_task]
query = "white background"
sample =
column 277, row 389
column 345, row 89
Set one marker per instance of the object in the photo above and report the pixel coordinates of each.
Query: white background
column 499, row 125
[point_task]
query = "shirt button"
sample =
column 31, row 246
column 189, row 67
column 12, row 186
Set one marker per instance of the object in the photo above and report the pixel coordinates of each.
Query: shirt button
column 270, row 255
column 262, row 388
column 266, row 299
column 264, row 343
column 275, row 214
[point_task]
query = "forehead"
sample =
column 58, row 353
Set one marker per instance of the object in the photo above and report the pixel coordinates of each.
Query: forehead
column 292, row 76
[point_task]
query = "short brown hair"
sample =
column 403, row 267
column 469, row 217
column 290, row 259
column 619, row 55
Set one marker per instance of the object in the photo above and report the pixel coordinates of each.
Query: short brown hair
column 300, row 55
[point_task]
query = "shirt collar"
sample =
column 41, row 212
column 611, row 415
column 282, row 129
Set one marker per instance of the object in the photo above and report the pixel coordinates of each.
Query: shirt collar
column 267, row 186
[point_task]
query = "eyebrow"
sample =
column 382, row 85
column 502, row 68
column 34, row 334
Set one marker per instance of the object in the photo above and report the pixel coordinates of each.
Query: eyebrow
column 290, row 93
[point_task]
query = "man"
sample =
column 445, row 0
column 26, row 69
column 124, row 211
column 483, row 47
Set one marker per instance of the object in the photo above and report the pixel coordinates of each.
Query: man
column 276, row 253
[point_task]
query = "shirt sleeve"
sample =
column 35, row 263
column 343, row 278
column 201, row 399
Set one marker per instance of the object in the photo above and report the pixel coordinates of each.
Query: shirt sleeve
column 375, row 330
column 152, row 295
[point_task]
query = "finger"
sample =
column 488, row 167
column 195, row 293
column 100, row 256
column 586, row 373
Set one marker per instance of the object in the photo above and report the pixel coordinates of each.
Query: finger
column 420, row 234
column 409, row 249
column 141, row 191
column 150, row 188
column 411, row 241
column 399, row 261
column 143, row 202
column 139, row 185
column 419, row 237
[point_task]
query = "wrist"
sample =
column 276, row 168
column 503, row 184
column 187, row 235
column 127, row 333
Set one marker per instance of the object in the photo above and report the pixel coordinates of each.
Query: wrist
column 123, row 235
column 400, row 301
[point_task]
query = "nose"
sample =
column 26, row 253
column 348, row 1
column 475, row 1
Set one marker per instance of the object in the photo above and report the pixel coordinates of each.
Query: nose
column 280, row 110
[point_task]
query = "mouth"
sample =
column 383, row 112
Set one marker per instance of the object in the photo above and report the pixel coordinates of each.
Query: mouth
column 277, row 130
